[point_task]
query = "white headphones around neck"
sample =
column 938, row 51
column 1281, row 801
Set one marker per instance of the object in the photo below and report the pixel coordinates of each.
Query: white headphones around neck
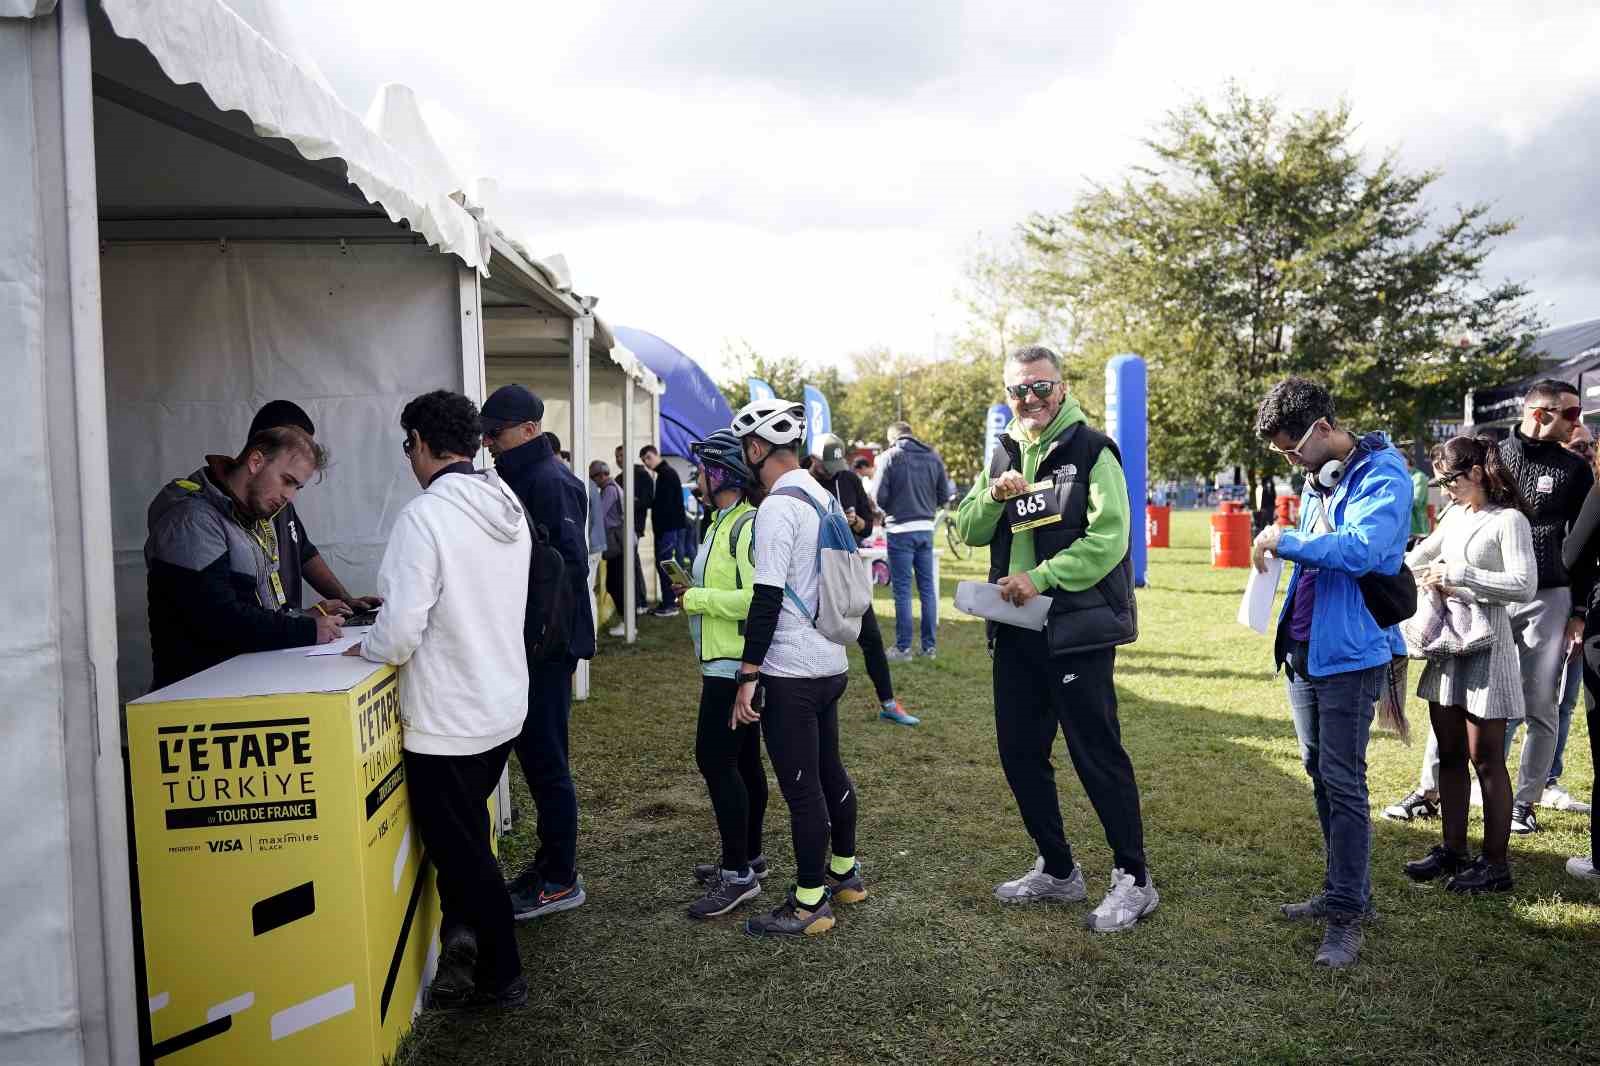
column 1328, row 477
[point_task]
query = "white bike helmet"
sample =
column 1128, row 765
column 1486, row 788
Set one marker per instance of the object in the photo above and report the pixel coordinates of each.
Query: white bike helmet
column 775, row 421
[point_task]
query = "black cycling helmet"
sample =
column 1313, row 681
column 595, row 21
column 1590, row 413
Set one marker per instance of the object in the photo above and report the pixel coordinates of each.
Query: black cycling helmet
column 724, row 449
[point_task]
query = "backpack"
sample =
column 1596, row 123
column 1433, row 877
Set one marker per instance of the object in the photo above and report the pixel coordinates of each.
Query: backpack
column 844, row 578
column 547, row 625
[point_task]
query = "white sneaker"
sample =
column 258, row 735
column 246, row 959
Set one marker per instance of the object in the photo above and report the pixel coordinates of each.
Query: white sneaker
column 1558, row 799
column 1125, row 904
column 618, row 630
column 1582, row 868
column 1036, row 886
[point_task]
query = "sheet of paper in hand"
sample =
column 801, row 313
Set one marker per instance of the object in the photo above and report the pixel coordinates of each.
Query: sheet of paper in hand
column 1038, row 505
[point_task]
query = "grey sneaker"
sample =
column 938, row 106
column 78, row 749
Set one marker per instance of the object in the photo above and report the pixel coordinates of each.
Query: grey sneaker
column 790, row 918
column 1582, row 868
column 705, row 871
column 1315, row 909
column 1036, row 886
column 1341, row 943
column 847, row 889
column 930, row 653
column 1124, row 904
column 723, row 894
column 898, row 655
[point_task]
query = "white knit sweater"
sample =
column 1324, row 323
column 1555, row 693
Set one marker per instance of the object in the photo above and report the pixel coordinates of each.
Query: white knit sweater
column 1489, row 560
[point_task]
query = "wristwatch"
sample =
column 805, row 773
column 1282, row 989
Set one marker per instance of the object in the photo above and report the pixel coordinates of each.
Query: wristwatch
column 747, row 679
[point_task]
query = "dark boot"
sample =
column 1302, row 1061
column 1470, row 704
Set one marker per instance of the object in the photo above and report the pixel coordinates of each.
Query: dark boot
column 1481, row 876
column 1439, row 862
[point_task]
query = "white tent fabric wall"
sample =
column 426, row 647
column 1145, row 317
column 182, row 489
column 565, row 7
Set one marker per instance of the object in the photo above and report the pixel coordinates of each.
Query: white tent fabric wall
column 196, row 340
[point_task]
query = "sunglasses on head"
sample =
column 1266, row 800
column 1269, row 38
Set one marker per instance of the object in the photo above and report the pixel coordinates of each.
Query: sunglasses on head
column 1040, row 389
column 1549, row 414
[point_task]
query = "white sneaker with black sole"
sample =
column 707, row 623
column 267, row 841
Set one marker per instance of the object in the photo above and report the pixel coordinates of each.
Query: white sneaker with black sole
column 1415, row 805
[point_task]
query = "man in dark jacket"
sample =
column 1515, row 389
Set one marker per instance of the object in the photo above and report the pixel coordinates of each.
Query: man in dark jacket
column 912, row 486
column 555, row 499
column 831, row 473
column 669, row 524
column 299, row 559
column 644, row 489
column 212, row 559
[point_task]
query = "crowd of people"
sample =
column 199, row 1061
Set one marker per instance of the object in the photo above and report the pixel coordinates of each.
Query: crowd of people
column 487, row 600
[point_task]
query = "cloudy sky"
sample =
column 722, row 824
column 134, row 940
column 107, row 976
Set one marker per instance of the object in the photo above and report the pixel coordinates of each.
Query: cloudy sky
column 810, row 178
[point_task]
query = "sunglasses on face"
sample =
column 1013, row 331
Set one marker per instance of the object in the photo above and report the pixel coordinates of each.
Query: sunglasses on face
column 1040, row 389
column 1292, row 454
column 1444, row 481
column 408, row 445
column 1549, row 414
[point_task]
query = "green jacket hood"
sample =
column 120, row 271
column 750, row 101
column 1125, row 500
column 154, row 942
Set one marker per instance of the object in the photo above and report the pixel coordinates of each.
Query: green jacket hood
column 1069, row 415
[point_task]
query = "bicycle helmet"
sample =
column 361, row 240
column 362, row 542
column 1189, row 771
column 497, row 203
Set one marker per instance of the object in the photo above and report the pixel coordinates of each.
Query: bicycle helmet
column 774, row 421
column 723, row 449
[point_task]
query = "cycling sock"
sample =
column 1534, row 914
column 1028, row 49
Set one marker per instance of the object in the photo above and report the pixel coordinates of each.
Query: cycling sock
column 841, row 865
column 808, row 897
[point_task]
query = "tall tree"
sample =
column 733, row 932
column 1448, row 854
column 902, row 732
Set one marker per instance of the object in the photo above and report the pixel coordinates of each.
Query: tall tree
column 1259, row 245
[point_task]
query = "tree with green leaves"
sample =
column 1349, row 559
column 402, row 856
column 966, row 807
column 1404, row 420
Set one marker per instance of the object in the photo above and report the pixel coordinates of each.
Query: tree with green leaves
column 1260, row 244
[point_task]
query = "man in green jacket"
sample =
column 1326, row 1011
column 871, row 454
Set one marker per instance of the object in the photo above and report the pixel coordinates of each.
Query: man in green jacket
column 1053, row 508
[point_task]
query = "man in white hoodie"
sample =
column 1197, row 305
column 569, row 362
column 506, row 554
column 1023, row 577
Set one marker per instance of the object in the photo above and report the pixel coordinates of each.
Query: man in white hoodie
column 454, row 582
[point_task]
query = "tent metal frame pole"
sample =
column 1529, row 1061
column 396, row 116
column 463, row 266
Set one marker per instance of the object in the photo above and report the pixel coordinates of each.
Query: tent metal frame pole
column 580, row 446
column 117, row 978
column 630, row 543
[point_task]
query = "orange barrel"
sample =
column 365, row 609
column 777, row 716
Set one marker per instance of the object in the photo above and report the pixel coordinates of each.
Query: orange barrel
column 1433, row 519
column 1286, row 510
column 1230, row 536
column 1157, row 526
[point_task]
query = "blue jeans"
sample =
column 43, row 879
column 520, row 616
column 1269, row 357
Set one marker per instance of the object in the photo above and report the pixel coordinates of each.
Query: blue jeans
column 908, row 552
column 1570, row 690
column 1332, row 718
column 670, row 545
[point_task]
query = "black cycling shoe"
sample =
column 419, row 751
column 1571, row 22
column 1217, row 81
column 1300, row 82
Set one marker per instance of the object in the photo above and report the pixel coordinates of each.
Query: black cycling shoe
column 1481, row 876
column 1439, row 862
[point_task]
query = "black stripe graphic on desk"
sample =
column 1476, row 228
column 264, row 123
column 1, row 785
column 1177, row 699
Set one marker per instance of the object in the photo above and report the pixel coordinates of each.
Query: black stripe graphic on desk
column 400, row 944
column 263, row 724
column 193, row 1036
column 274, row 912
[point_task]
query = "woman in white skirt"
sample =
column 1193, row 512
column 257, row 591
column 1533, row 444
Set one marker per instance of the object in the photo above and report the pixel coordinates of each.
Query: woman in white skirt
column 1481, row 552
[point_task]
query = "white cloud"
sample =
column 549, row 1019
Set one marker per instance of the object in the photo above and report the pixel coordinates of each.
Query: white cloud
column 808, row 178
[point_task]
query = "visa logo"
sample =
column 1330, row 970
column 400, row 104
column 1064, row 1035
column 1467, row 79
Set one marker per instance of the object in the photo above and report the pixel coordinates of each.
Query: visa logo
column 224, row 845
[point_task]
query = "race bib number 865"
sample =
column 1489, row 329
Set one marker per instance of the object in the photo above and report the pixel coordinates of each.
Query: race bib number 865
column 1038, row 505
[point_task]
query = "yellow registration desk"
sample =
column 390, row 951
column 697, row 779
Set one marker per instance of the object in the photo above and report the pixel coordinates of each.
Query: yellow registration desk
column 288, row 915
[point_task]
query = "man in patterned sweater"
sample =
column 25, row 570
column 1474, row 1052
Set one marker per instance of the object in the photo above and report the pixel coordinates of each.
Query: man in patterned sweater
column 1553, row 481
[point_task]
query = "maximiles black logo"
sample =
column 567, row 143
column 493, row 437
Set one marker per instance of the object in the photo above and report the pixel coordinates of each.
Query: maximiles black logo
column 237, row 773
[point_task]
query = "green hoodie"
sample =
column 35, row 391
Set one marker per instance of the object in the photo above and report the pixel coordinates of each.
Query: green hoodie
column 1088, row 560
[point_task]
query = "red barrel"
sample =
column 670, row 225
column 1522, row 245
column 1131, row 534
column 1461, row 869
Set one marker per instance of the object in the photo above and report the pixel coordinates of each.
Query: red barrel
column 1157, row 526
column 1230, row 536
column 1289, row 511
column 1433, row 519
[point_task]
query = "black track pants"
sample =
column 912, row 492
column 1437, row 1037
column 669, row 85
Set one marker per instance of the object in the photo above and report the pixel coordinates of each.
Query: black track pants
column 1035, row 695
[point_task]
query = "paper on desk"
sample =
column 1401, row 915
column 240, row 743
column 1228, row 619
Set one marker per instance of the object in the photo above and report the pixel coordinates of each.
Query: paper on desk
column 351, row 638
column 1255, row 610
column 982, row 600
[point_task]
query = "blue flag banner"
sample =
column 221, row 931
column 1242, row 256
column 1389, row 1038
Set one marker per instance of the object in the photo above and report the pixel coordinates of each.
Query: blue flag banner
column 760, row 390
column 819, row 419
column 1126, row 392
column 994, row 424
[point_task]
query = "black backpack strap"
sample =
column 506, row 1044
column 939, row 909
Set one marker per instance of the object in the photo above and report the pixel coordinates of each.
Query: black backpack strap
column 733, row 545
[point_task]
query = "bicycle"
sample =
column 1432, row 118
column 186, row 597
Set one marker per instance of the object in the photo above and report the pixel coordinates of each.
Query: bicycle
column 959, row 548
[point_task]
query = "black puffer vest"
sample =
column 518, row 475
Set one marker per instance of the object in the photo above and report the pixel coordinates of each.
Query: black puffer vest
column 1105, row 615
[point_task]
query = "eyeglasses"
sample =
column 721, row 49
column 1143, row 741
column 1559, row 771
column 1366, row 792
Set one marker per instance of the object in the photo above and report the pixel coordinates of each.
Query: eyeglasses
column 1549, row 414
column 1446, row 480
column 1040, row 389
column 408, row 445
column 1294, row 453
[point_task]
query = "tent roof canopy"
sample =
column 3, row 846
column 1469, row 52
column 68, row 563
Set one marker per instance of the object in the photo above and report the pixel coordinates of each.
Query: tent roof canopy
column 692, row 407
column 205, row 129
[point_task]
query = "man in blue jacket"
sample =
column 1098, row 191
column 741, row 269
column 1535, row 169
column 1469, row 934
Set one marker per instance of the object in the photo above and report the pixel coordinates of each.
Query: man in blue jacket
column 1355, row 516
column 912, row 486
column 555, row 499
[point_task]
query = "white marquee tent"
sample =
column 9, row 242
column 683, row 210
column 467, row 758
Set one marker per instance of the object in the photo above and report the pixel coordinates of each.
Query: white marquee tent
column 193, row 224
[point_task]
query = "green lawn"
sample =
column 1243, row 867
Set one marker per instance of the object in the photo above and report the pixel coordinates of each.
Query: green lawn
column 930, row 969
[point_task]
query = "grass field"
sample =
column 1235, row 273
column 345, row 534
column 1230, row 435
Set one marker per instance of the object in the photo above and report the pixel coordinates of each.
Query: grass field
column 930, row 969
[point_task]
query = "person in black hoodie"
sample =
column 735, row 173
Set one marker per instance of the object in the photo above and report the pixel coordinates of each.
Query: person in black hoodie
column 644, row 489
column 1554, row 482
column 830, row 471
column 555, row 499
column 668, row 522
